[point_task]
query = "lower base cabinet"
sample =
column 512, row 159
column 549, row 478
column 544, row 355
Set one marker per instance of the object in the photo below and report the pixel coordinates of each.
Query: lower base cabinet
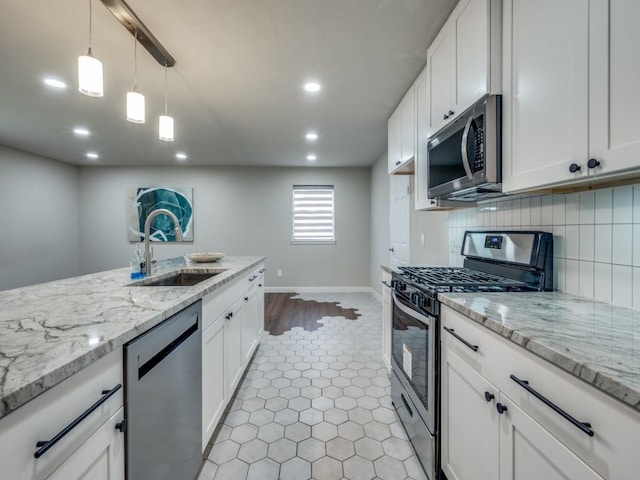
column 485, row 435
column 213, row 378
column 386, row 318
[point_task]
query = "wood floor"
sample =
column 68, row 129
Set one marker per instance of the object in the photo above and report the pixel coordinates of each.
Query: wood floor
column 282, row 312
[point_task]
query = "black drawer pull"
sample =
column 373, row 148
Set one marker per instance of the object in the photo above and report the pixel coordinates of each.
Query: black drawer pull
column 251, row 279
column 45, row 445
column 458, row 337
column 385, row 283
column 584, row 426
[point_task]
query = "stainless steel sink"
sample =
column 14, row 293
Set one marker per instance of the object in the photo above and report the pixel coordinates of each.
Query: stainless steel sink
column 180, row 279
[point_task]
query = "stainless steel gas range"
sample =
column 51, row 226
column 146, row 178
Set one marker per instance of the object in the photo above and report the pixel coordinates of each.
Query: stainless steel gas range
column 494, row 262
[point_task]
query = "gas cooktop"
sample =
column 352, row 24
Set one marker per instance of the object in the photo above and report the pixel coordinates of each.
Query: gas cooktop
column 457, row 279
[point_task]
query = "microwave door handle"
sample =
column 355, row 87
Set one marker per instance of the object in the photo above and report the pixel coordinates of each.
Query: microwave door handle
column 465, row 153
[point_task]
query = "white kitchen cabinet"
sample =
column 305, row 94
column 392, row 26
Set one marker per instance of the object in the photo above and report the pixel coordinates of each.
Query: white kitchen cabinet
column 214, row 395
column 94, row 447
column 570, row 95
column 534, row 441
column 250, row 324
column 401, row 135
column 233, row 344
column 386, row 318
column 464, row 61
column 101, row 457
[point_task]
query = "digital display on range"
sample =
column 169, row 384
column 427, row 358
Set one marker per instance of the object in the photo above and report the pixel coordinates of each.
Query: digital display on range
column 493, row 241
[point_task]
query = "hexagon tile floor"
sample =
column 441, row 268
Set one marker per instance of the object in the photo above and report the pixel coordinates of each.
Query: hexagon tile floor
column 316, row 405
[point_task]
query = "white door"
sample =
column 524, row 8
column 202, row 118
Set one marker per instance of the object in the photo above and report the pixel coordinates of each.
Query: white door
column 614, row 138
column 233, row 345
column 470, row 422
column 101, row 457
column 408, row 129
column 440, row 67
column 529, row 452
column 546, row 91
column 213, row 381
column 250, row 325
column 399, row 215
column 394, row 140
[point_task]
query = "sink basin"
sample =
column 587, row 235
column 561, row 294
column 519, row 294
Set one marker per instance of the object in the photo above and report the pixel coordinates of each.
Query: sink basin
column 181, row 279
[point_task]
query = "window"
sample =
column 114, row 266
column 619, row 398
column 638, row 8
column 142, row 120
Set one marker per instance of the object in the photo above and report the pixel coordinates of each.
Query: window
column 313, row 220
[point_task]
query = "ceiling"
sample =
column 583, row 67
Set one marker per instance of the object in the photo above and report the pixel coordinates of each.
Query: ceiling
column 236, row 89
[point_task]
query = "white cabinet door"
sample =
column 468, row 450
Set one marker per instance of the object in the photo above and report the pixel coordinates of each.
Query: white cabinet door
column 529, row 452
column 408, row 116
column 250, row 324
column 470, row 421
column 421, row 175
column 101, row 457
column 546, row 92
column 471, row 25
column 394, row 140
column 614, row 137
column 440, row 65
column 233, row 344
column 214, row 396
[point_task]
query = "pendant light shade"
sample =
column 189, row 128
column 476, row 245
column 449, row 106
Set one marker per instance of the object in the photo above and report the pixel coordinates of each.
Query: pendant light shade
column 90, row 69
column 90, row 75
column 165, row 128
column 135, row 107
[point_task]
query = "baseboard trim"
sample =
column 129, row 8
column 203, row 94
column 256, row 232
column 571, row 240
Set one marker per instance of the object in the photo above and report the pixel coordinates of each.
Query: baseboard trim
column 376, row 294
column 320, row 290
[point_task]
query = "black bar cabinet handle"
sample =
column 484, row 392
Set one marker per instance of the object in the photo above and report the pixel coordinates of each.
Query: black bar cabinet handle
column 458, row 337
column 584, row 426
column 44, row 445
column 251, row 279
column 385, row 283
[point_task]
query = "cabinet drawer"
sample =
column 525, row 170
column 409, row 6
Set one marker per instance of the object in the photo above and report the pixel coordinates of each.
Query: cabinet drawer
column 610, row 451
column 46, row 415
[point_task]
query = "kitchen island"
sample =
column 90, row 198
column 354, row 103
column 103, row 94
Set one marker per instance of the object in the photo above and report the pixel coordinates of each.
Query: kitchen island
column 50, row 331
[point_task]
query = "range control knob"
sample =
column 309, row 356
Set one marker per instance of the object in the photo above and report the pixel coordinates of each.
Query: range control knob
column 417, row 299
column 400, row 286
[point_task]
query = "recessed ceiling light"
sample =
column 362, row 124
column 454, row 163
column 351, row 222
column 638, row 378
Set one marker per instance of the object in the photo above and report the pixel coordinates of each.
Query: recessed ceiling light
column 312, row 87
column 81, row 131
column 311, row 136
column 311, row 157
column 55, row 83
column 92, row 155
column 181, row 156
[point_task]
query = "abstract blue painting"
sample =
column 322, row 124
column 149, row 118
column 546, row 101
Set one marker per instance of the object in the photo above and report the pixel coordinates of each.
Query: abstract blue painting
column 143, row 201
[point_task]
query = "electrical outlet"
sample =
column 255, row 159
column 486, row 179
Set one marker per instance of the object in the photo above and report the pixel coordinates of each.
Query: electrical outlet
column 279, row 272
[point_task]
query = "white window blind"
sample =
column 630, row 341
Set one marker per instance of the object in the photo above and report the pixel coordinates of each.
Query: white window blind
column 313, row 214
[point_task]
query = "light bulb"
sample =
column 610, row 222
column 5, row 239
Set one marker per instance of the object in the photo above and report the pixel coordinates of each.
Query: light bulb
column 135, row 107
column 165, row 128
column 90, row 75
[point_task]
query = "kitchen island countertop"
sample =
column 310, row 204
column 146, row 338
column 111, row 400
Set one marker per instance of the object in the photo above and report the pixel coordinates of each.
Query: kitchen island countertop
column 52, row 330
column 597, row 342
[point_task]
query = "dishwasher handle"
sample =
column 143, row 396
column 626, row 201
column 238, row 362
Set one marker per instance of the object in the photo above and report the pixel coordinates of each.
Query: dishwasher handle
column 166, row 351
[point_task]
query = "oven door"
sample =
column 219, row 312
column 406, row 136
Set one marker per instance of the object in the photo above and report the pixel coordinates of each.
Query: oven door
column 414, row 357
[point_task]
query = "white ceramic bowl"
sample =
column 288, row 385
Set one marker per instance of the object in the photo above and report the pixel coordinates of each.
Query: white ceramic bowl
column 204, row 257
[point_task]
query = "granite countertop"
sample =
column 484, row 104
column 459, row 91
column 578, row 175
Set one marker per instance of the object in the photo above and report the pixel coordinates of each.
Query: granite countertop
column 52, row 330
column 595, row 341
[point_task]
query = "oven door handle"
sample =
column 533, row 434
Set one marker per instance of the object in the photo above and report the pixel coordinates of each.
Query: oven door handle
column 410, row 311
column 463, row 148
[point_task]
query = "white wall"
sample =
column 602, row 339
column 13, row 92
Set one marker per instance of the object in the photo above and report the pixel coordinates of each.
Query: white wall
column 379, row 220
column 239, row 211
column 40, row 217
column 596, row 237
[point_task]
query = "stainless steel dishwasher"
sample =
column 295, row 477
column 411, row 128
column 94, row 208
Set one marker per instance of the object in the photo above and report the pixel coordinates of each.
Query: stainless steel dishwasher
column 164, row 399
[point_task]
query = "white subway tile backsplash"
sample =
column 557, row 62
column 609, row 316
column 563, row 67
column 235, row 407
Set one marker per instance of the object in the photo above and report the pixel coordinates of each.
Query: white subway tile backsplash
column 559, row 210
column 587, row 207
column 623, row 204
column 572, row 242
column 586, row 279
column 596, row 237
column 546, row 210
column 621, row 289
column 604, row 206
column 572, row 209
column 603, row 241
column 622, row 245
column 602, row 282
column 586, row 242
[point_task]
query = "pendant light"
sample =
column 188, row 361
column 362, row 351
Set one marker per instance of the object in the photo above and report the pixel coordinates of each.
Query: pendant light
column 135, row 100
column 90, row 69
column 165, row 122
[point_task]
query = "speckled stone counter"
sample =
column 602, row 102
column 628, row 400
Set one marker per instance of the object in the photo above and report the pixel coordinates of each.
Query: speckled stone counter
column 597, row 342
column 52, row 330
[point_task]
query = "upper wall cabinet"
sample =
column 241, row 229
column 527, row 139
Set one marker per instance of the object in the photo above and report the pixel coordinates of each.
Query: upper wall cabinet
column 401, row 135
column 570, row 95
column 464, row 60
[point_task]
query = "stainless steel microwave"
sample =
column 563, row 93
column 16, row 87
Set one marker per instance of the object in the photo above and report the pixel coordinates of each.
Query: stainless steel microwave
column 465, row 157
